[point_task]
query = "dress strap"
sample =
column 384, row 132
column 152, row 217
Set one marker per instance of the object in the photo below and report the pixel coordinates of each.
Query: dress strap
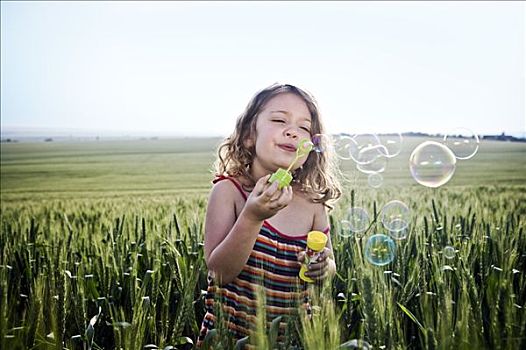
column 234, row 181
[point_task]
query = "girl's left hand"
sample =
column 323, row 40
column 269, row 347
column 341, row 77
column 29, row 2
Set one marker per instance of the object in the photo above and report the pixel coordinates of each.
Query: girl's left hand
column 321, row 268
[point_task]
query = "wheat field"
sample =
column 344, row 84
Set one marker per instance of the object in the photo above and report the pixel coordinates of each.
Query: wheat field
column 101, row 247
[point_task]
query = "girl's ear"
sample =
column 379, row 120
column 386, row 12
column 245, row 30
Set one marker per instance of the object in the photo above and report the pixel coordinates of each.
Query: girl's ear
column 249, row 142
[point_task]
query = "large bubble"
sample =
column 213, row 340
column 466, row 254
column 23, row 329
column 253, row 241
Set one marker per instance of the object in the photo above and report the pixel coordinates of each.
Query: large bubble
column 356, row 221
column 432, row 164
column 463, row 142
column 380, row 249
column 395, row 216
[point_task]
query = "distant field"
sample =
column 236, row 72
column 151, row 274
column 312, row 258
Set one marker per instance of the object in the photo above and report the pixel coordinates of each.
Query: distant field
column 47, row 170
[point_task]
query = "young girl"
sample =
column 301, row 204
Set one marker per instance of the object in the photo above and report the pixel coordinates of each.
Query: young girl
column 255, row 233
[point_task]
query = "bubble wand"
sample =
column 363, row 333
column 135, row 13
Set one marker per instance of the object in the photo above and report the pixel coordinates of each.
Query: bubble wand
column 284, row 177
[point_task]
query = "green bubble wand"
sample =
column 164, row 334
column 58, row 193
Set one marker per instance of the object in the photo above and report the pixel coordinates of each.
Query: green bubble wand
column 284, row 177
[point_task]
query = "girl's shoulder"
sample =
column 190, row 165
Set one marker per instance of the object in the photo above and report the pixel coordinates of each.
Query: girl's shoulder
column 229, row 186
column 307, row 202
column 307, row 197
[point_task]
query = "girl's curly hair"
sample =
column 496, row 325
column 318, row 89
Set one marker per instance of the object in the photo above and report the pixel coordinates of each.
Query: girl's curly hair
column 318, row 175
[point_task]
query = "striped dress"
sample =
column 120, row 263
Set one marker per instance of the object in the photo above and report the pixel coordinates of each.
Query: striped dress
column 272, row 265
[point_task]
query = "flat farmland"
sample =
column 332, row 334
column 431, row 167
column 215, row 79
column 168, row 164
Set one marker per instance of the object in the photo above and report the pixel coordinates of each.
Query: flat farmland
column 169, row 167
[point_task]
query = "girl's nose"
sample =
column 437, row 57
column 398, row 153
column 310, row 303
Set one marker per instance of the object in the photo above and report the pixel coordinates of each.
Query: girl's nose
column 290, row 132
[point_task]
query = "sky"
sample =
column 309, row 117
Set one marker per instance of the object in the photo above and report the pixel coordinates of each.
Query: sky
column 190, row 68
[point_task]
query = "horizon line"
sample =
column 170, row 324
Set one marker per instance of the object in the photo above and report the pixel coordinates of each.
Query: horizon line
column 49, row 132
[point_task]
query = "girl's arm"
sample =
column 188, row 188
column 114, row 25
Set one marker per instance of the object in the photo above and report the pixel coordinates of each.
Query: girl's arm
column 229, row 242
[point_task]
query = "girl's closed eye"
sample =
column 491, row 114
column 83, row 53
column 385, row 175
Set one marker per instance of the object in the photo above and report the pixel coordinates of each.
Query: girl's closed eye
column 278, row 120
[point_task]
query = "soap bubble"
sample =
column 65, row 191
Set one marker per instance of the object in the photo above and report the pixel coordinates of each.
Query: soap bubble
column 395, row 216
column 432, row 164
column 449, row 252
column 321, row 143
column 375, row 180
column 356, row 344
column 463, row 142
column 368, row 154
column 356, row 221
column 392, row 145
column 380, row 249
column 342, row 146
column 365, row 148
column 399, row 234
column 377, row 165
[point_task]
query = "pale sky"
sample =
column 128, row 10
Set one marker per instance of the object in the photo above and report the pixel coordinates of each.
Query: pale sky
column 190, row 68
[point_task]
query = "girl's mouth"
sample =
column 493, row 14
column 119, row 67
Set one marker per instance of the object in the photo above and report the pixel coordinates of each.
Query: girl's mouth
column 287, row 147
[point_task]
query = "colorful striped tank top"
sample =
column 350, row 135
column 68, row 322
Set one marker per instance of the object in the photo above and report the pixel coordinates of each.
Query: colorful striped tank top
column 272, row 265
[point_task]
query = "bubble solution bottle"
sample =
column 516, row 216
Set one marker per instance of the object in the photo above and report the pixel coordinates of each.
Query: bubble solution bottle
column 316, row 241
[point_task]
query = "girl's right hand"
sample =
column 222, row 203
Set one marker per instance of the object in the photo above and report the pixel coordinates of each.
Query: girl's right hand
column 266, row 200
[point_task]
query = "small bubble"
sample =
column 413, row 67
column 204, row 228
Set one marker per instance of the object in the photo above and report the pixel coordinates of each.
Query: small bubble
column 356, row 221
column 380, row 250
column 321, row 143
column 356, row 344
column 463, row 142
column 399, row 234
column 375, row 180
column 449, row 252
column 395, row 215
column 341, row 146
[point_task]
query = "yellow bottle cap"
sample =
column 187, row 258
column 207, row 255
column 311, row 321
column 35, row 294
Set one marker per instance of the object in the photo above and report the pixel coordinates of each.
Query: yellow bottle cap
column 316, row 240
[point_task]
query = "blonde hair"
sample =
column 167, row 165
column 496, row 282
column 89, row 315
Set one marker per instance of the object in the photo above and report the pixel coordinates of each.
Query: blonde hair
column 318, row 175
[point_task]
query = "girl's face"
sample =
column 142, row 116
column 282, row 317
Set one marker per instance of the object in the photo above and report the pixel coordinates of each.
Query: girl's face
column 283, row 122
